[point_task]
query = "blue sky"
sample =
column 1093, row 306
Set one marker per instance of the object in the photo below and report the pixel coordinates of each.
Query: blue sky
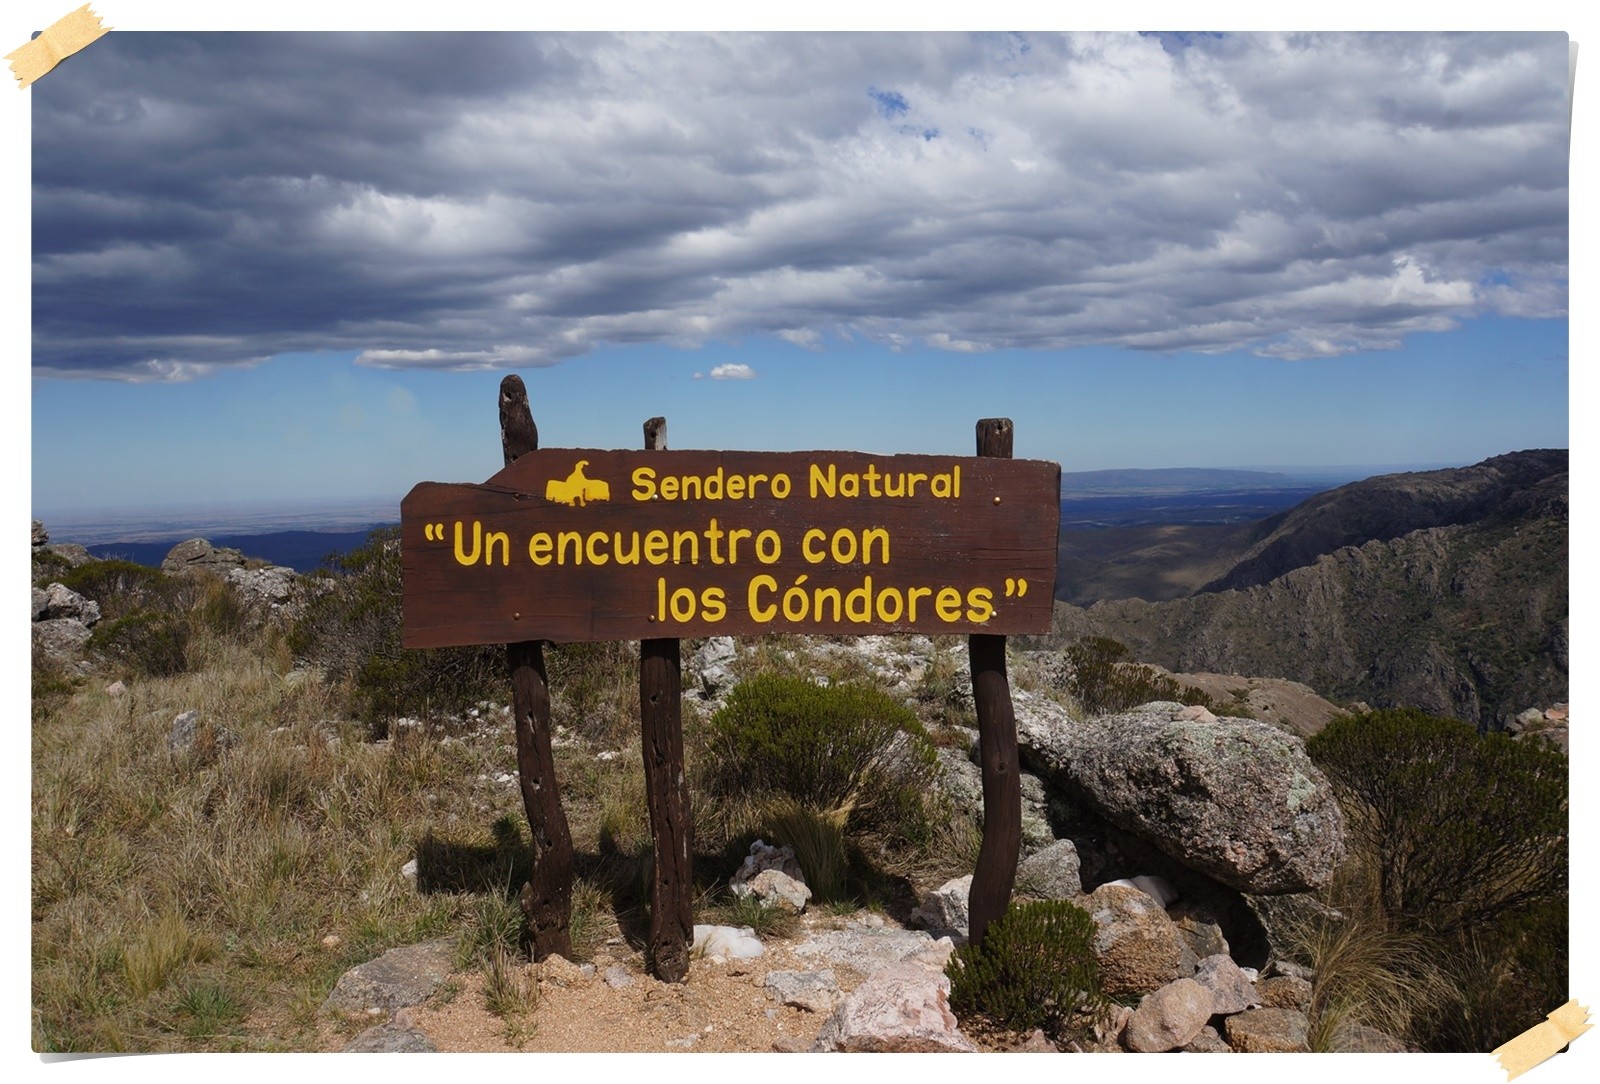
column 273, row 269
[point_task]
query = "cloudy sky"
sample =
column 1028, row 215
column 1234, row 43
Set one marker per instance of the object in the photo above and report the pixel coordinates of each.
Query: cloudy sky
column 269, row 266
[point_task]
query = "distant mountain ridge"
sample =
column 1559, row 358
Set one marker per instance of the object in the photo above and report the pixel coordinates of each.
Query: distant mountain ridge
column 302, row 551
column 1441, row 590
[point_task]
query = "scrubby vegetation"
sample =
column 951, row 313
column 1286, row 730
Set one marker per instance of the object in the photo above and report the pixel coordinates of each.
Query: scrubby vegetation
column 1449, row 920
column 1097, row 674
column 1035, row 969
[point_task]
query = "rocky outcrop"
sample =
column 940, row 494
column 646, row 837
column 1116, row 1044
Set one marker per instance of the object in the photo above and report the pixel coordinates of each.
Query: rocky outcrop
column 900, row 1009
column 1234, row 799
column 62, row 624
column 1053, row 873
column 198, row 553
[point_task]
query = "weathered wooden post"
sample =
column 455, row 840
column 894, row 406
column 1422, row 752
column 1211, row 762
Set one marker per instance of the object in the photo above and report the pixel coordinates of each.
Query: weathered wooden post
column 996, row 871
column 666, row 788
column 547, row 897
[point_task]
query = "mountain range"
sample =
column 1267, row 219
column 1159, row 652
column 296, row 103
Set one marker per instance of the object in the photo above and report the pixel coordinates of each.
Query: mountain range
column 1443, row 590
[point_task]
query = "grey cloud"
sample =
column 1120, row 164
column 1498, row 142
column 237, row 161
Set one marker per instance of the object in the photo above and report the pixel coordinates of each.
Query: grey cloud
column 485, row 201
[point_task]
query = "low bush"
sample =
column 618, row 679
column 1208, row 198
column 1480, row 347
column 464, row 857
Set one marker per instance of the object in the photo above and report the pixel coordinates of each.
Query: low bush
column 1035, row 968
column 1461, row 828
column 842, row 747
column 1096, row 674
column 352, row 631
column 144, row 643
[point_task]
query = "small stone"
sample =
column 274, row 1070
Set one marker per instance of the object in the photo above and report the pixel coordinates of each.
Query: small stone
column 1231, row 989
column 409, row 870
column 1169, row 1018
column 617, row 977
column 332, row 941
column 181, row 739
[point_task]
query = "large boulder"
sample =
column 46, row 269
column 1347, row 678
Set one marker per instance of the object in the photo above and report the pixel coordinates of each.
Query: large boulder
column 1235, row 799
column 199, row 553
column 1136, row 944
column 1268, row 1031
column 400, row 977
column 1052, row 873
column 61, row 601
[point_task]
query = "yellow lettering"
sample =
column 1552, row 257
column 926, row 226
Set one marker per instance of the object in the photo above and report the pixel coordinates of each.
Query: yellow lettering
column 816, row 557
column 911, row 482
column 939, row 485
column 823, row 595
column 757, row 611
column 841, row 554
column 796, row 606
column 823, row 485
column 780, row 485
column 631, row 557
column 736, row 486
column 596, row 558
column 669, row 489
column 867, row 536
column 892, row 594
column 661, row 598
column 733, row 543
column 505, row 547
column 678, row 539
column 687, row 597
column 979, row 608
column 644, row 484
column 655, row 547
column 462, row 557
column 850, row 485
column 562, row 538
column 863, row 595
column 768, row 547
column 539, row 548
column 911, row 601
column 948, row 604
column 713, row 604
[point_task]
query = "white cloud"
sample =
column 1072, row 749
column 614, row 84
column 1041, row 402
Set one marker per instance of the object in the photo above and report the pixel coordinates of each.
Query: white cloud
column 733, row 371
column 1295, row 195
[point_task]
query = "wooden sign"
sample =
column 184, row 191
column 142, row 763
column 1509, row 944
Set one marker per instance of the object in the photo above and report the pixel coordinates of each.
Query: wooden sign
column 580, row 544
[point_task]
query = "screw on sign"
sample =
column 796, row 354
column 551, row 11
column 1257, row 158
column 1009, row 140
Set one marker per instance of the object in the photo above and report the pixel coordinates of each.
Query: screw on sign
column 589, row 544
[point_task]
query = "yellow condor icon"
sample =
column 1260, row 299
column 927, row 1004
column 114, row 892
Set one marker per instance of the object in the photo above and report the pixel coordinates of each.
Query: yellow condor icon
column 576, row 489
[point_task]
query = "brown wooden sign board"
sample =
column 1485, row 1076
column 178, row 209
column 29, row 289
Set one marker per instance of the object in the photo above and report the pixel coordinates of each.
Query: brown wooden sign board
column 573, row 544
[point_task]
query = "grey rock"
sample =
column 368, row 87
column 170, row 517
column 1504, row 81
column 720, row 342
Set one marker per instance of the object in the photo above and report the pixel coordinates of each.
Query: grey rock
column 1168, row 1018
column 41, row 604
column 814, row 991
column 713, row 665
column 74, row 554
column 1268, row 1031
column 391, row 1038
column 945, row 908
column 1136, row 944
column 61, row 601
column 184, row 730
column 776, row 889
column 1236, row 799
column 762, row 857
column 270, row 588
column 1231, row 989
column 402, row 976
column 1293, row 970
column 1201, row 932
column 618, row 977
column 61, row 638
column 962, row 781
column 198, row 553
column 40, row 535
column 1052, row 873
column 902, row 1008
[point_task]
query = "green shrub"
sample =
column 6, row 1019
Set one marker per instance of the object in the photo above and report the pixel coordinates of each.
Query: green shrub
column 145, row 643
column 1460, row 828
column 121, row 587
column 352, row 631
column 828, row 747
column 1098, row 676
column 1035, row 968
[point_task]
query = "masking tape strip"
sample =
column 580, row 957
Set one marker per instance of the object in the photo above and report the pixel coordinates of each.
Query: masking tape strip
column 67, row 35
column 1543, row 1039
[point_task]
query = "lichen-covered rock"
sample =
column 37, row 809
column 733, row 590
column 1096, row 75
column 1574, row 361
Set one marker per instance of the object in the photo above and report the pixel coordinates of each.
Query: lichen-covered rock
column 1268, row 1031
column 901, row 1009
column 391, row 1038
column 61, row 601
column 764, row 856
column 1236, row 799
column 1168, row 1018
column 1231, row 989
column 400, row 977
column 1052, row 873
column 1136, row 944
column 199, row 553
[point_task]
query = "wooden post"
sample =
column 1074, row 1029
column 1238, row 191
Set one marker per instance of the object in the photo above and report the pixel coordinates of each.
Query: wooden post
column 996, row 872
column 547, row 898
column 666, row 789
